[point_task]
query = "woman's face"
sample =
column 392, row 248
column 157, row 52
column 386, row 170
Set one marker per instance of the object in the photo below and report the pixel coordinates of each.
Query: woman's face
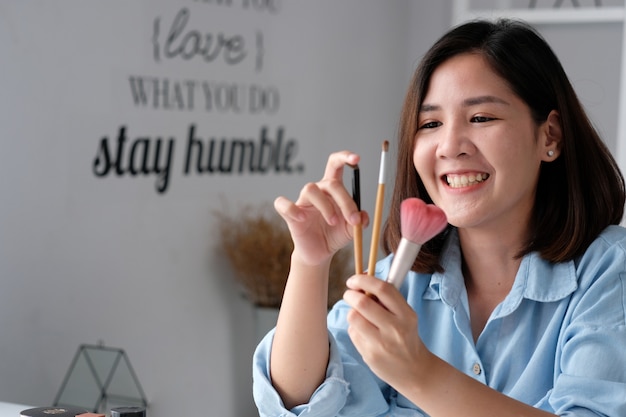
column 477, row 148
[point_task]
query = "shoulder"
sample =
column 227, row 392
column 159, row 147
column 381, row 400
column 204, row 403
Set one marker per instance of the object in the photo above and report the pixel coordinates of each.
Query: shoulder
column 609, row 248
column 613, row 234
column 601, row 276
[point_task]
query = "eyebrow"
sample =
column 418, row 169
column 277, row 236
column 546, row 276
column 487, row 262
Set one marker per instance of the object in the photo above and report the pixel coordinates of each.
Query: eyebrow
column 472, row 101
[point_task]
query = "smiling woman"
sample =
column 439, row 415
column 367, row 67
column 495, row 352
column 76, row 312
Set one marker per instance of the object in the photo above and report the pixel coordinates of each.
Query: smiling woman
column 509, row 308
column 472, row 125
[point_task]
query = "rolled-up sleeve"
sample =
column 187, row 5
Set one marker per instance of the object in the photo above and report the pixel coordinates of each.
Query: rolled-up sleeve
column 348, row 390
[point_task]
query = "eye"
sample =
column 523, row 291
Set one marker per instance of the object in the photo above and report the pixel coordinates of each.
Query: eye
column 430, row 125
column 481, row 119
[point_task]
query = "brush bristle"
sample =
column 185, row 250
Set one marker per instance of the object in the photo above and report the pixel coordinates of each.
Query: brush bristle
column 420, row 222
column 385, row 145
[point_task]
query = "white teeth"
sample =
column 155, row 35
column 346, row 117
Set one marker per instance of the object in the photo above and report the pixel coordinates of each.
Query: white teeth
column 457, row 181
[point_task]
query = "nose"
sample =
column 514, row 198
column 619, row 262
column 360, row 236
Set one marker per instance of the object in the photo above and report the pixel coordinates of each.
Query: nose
column 455, row 141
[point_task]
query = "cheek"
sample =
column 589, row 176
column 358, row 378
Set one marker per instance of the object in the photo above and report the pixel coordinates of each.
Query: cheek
column 423, row 159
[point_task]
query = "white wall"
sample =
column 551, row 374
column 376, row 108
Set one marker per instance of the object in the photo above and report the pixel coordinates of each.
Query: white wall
column 85, row 258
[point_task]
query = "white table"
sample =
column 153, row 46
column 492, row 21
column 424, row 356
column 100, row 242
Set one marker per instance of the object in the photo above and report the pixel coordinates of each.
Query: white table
column 12, row 409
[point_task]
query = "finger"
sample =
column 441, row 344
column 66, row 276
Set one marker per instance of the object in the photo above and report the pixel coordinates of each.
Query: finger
column 288, row 210
column 337, row 162
column 313, row 196
column 368, row 306
column 332, row 200
column 383, row 292
column 343, row 200
column 361, row 330
column 365, row 218
column 332, row 183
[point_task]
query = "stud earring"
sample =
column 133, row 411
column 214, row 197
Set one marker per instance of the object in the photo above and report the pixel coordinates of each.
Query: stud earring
column 550, row 153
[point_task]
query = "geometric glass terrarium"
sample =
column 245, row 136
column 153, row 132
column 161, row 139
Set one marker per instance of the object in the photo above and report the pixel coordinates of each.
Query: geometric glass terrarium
column 100, row 378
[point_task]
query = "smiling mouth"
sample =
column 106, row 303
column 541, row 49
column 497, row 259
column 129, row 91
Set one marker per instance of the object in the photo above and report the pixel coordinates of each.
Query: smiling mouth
column 465, row 180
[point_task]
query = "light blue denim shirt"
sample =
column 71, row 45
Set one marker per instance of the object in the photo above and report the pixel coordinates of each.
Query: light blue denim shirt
column 557, row 341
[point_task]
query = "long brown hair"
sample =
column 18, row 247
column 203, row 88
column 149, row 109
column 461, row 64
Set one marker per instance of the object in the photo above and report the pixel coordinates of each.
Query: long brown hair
column 578, row 195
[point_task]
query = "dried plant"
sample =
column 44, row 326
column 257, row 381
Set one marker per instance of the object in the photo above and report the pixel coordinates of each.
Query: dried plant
column 258, row 245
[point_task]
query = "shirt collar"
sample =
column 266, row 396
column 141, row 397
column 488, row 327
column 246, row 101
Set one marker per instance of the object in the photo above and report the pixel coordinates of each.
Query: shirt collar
column 537, row 279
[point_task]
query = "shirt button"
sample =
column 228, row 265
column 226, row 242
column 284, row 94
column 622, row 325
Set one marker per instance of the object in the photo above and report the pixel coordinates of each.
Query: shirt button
column 476, row 369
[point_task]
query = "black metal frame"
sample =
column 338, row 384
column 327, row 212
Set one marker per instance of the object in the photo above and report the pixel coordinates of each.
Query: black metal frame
column 102, row 385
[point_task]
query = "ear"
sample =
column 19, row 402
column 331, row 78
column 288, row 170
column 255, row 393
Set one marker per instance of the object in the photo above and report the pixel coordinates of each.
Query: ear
column 550, row 137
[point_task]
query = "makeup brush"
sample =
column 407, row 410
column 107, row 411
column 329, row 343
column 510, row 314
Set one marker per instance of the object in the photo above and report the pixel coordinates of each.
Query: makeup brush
column 419, row 222
column 378, row 213
column 358, row 230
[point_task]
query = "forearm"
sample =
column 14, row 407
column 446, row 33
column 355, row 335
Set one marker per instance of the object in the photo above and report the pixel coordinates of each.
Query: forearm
column 300, row 347
column 445, row 391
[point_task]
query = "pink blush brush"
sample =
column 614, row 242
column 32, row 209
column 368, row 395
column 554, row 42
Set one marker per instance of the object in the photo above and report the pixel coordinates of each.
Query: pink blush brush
column 419, row 222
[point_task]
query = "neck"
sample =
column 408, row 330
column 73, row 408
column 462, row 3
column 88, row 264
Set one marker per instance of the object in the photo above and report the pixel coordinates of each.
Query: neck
column 490, row 264
column 492, row 254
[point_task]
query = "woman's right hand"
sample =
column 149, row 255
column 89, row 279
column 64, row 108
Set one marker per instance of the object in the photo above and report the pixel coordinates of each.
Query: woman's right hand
column 321, row 220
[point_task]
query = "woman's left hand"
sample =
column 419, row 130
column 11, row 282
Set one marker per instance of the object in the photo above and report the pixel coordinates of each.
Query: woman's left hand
column 383, row 328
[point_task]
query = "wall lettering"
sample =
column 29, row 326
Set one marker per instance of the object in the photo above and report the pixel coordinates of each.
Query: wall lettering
column 181, row 40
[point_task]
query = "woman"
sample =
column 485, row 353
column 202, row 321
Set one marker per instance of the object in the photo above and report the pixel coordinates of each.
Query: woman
column 518, row 307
